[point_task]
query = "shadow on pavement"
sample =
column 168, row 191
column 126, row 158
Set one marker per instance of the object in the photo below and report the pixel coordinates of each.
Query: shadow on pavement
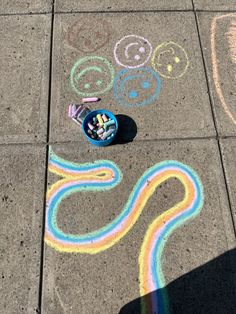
column 127, row 129
column 207, row 289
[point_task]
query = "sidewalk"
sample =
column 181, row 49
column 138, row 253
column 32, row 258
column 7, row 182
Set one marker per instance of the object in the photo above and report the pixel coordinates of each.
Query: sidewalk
column 175, row 99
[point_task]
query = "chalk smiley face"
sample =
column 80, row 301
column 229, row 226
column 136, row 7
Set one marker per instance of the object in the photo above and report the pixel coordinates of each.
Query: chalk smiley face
column 170, row 60
column 136, row 87
column 88, row 37
column 132, row 51
column 91, row 76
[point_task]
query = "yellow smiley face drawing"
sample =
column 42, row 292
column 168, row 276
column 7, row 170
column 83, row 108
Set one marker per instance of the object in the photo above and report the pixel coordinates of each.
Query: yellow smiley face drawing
column 170, row 60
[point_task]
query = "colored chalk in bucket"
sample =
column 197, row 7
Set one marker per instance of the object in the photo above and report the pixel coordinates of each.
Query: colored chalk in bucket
column 103, row 132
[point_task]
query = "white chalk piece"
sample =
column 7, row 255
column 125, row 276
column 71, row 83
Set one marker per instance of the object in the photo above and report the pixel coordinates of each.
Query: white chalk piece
column 106, row 134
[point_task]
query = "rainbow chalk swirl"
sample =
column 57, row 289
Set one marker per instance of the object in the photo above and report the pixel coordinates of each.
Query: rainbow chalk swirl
column 104, row 175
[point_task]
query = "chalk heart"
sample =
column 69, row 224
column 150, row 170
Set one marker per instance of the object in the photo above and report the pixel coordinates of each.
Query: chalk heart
column 170, row 60
column 136, row 87
column 132, row 51
column 88, row 37
column 92, row 76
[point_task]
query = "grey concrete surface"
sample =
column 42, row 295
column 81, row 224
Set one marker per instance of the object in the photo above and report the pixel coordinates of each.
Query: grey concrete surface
column 105, row 282
column 21, row 208
column 123, row 5
column 199, row 258
column 229, row 153
column 24, row 63
column 217, row 39
column 34, row 6
column 165, row 117
column 214, row 5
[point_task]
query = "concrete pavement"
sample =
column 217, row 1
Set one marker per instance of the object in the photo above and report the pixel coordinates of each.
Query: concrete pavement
column 177, row 117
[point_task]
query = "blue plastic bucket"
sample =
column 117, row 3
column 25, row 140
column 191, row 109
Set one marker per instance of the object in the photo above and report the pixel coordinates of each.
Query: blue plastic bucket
column 89, row 117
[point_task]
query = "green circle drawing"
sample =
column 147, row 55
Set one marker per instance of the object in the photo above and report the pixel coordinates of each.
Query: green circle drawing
column 74, row 78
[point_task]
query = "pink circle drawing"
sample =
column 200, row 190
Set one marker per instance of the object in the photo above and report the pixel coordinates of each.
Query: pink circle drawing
column 132, row 51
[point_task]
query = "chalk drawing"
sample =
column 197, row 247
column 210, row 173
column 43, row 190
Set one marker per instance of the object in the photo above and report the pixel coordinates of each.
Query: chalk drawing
column 89, row 37
column 136, row 87
column 231, row 36
column 230, row 49
column 104, row 175
column 92, row 76
column 132, row 51
column 170, row 60
column 151, row 276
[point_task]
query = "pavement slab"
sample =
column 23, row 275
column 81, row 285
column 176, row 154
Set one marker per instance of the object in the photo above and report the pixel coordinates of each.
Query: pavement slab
column 218, row 5
column 229, row 153
column 108, row 280
column 21, row 208
column 16, row 7
column 170, row 102
column 218, row 40
column 123, row 5
column 24, row 63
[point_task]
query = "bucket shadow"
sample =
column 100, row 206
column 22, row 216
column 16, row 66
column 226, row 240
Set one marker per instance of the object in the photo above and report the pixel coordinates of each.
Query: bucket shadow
column 208, row 289
column 127, row 129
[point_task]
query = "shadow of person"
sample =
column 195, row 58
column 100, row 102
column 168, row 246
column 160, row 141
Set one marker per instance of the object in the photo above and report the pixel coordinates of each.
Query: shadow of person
column 208, row 289
column 127, row 129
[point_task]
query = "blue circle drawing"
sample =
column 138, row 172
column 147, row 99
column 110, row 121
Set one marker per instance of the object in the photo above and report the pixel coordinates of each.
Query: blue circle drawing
column 130, row 98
